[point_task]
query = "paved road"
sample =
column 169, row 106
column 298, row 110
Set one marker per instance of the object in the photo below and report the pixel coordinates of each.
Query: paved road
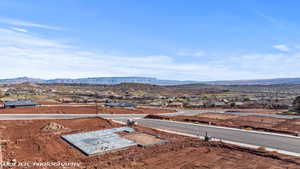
column 265, row 115
column 67, row 116
column 184, row 112
column 291, row 144
column 107, row 116
column 117, row 116
column 191, row 112
column 188, row 112
column 43, row 116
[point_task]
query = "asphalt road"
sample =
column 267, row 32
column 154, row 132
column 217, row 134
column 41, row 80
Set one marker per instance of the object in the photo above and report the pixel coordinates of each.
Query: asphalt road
column 265, row 115
column 286, row 143
column 107, row 116
column 43, row 116
column 67, row 116
column 189, row 112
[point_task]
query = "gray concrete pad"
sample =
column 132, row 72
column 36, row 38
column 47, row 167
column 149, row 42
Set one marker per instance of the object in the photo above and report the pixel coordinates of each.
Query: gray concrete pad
column 100, row 141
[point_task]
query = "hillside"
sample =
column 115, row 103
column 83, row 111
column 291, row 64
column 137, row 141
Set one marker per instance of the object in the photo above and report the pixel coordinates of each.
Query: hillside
column 257, row 82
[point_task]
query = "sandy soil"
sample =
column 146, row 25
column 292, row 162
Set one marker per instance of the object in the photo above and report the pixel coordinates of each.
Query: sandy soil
column 269, row 124
column 143, row 138
column 81, row 110
column 25, row 140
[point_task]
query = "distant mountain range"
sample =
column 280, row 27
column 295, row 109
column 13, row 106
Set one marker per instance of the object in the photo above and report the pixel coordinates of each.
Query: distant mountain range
column 149, row 80
column 98, row 80
column 257, row 82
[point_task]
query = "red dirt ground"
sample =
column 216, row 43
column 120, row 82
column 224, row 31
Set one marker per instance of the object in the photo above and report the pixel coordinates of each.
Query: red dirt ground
column 80, row 110
column 26, row 141
column 269, row 124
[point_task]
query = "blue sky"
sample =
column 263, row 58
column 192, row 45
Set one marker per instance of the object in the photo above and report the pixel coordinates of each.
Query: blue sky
column 183, row 40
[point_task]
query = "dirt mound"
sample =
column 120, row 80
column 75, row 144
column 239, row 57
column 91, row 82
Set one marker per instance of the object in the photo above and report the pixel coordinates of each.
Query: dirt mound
column 53, row 126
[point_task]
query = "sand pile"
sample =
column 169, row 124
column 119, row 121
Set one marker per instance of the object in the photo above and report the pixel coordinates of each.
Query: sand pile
column 53, row 126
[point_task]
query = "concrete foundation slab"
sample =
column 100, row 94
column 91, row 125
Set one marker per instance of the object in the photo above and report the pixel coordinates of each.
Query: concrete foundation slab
column 101, row 141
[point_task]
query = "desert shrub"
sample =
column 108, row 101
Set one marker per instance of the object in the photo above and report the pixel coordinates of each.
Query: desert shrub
column 261, row 148
column 296, row 104
column 246, row 99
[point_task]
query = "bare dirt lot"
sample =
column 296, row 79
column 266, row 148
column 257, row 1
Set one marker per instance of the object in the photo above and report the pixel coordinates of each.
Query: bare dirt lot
column 81, row 110
column 143, row 139
column 29, row 141
column 269, row 124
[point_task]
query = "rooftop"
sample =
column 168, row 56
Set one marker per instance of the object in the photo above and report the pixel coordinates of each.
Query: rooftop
column 20, row 103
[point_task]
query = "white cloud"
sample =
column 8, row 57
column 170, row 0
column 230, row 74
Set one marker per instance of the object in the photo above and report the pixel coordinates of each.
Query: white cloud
column 263, row 65
column 14, row 38
column 19, row 29
column 193, row 53
column 15, row 22
column 26, row 54
column 29, row 55
column 283, row 48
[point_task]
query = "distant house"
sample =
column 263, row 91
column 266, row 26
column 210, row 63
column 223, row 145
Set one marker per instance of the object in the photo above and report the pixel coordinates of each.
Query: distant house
column 119, row 105
column 19, row 103
column 1, row 104
column 157, row 103
column 175, row 104
column 238, row 104
column 66, row 100
column 219, row 104
column 195, row 104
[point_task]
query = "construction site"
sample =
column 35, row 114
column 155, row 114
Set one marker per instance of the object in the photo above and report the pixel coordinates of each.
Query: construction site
column 101, row 143
column 127, row 84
